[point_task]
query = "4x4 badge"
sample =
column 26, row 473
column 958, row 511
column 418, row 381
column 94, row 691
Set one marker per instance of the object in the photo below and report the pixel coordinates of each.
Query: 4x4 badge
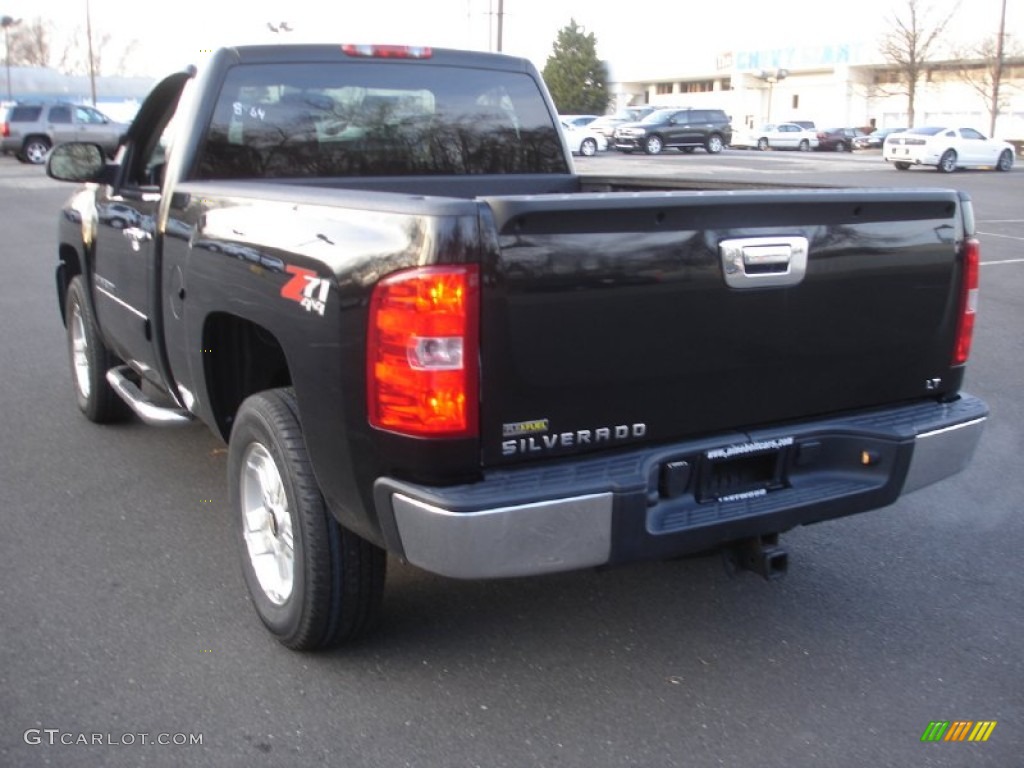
column 307, row 289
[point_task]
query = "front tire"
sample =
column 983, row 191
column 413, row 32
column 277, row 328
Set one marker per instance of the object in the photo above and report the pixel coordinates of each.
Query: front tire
column 947, row 163
column 90, row 360
column 653, row 145
column 1005, row 161
column 313, row 583
column 902, row 166
column 588, row 148
column 762, row 144
column 841, row 146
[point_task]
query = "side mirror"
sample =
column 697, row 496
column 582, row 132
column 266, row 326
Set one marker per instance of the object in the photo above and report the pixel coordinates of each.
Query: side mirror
column 78, row 162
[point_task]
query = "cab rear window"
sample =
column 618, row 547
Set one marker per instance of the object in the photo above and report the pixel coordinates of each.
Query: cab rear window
column 368, row 119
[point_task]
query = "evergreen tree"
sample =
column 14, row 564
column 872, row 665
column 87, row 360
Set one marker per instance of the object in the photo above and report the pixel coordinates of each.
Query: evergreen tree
column 577, row 79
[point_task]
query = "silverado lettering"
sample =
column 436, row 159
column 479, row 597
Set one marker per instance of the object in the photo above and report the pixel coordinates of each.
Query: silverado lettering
column 755, row 359
column 570, row 439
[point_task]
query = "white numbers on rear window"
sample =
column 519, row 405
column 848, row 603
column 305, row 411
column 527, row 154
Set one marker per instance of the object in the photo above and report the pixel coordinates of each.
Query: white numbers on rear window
column 245, row 110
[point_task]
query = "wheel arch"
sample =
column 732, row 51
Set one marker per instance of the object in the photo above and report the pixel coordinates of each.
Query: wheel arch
column 239, row 358
column 69, row 264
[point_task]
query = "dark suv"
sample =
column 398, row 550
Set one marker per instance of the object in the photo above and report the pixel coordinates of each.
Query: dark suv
column 685, row 129
column 29, row 130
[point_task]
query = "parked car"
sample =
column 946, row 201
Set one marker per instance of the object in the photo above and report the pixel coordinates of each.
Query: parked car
column 607, row 124
column 838, row 139
column 684, row 129
column 947, row 149
column 781, row 136
column 875, row 139
column 577, row 121
column 582, row 140
column 30, row 130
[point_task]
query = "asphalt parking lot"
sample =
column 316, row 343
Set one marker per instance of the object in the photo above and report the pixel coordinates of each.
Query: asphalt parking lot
column 124, row 617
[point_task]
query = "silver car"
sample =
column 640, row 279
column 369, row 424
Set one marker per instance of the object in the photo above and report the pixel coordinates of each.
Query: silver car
column 30, row 130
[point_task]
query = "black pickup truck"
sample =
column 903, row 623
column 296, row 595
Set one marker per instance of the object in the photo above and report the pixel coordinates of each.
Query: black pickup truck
column 375, row 274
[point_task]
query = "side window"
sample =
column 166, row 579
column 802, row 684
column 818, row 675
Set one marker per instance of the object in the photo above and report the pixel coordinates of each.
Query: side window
column 88, row 115
column 970, row 133
column 700, row 116
column 60, row 114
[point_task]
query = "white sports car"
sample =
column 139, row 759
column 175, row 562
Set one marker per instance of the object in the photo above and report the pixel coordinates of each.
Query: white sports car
column 947, row 149
column 582, row 140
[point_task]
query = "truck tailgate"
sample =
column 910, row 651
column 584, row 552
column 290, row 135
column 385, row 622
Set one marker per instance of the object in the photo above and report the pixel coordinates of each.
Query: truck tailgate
column 610, row 320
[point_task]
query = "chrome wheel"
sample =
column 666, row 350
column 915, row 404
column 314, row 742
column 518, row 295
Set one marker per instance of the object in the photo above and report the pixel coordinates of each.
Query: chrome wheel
column 80, row 352
column 588, row 148
column 1005, row 161
column 805, row 146
column 267, row 524
column 947, row 164
column 762, row 144
column 35, row 151
column 714, row 145
column 653, row 145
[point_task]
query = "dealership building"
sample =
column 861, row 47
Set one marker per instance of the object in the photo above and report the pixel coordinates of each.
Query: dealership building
column 833, row 85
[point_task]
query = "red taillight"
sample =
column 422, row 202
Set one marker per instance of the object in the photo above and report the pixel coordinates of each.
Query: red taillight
column 421, row 352
column 388, row 51
column 6, row 130
column 968, row 301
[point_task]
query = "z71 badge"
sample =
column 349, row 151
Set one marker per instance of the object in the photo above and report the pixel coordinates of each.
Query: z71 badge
column 307, row 289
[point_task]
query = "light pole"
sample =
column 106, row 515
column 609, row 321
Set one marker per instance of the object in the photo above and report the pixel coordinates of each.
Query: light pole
column 772, row 77
column 92, row 60
column 7, row 22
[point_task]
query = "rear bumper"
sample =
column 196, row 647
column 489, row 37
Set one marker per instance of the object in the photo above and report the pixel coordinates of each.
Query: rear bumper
column 669, row 500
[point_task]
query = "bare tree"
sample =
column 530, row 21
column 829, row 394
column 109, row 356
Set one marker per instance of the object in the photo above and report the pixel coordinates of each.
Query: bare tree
column 125, row 58
column 912, row 41
column 30, row 44
column 74, row 59
column 981, row 67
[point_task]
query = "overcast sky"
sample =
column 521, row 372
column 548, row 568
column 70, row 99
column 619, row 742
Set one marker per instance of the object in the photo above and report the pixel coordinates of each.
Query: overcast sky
column 656, row 37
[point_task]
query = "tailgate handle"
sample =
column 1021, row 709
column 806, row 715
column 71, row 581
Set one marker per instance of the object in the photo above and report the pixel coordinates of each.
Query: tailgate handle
column 762, row 262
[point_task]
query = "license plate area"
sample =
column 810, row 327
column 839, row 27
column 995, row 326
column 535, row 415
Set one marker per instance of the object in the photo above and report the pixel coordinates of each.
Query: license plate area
column 746, row 474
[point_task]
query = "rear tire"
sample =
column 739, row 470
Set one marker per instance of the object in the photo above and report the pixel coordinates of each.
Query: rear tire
column 947, row 163
column 805, row 145
column 902, row 166
column 313, row 583
column 762, row 144
column 34, row 150
column 588, row 148
column 714, row 144
column 90, row 360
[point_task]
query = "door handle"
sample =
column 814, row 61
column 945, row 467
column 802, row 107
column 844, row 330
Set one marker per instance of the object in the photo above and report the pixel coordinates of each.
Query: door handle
column 762, row 262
